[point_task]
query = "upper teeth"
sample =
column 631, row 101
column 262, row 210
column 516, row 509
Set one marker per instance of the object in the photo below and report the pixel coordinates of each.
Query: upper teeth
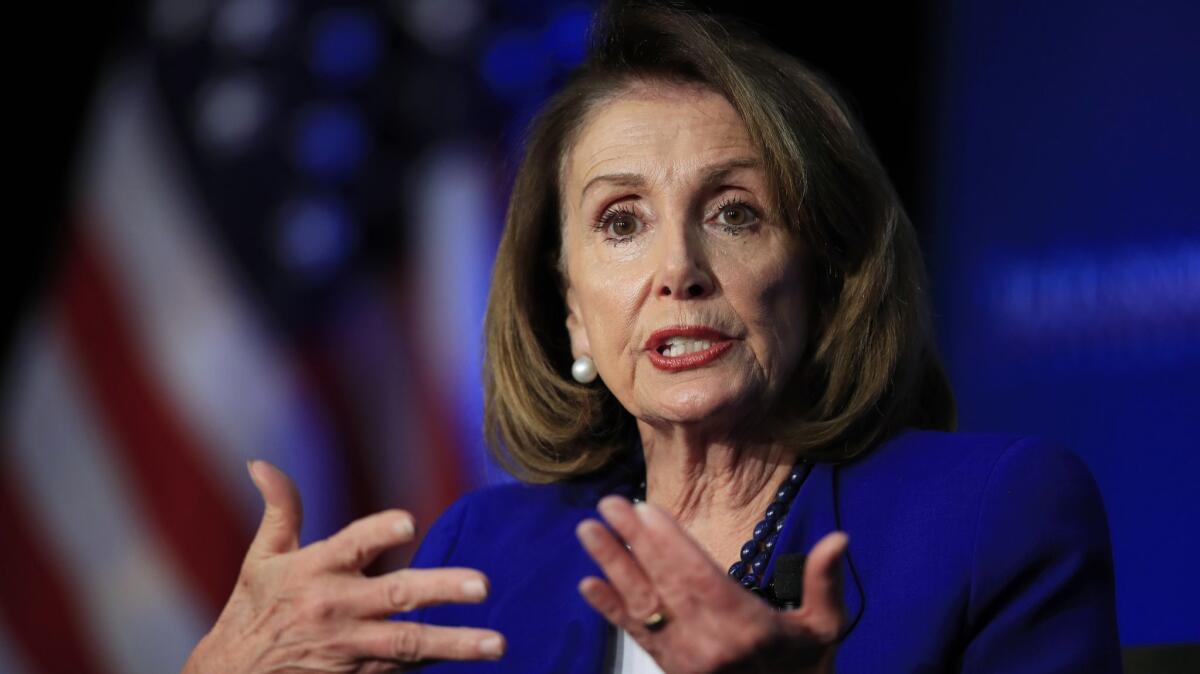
column 678, row 346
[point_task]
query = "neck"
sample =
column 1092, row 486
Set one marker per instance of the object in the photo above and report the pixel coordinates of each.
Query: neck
column 716, row 488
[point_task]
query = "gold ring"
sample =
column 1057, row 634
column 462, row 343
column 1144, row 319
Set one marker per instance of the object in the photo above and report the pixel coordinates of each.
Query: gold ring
column 656, row 621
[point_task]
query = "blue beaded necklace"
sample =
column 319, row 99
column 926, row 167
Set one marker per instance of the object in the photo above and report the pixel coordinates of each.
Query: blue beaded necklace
column 756, row 553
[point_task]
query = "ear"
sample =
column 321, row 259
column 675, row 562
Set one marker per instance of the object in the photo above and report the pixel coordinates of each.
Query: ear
column 575, row 326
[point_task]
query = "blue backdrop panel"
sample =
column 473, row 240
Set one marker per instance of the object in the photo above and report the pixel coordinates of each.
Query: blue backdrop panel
column 1066, row 259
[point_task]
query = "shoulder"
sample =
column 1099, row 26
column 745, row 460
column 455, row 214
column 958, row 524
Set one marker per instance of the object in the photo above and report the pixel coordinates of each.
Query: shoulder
column 527, row 494
column 925, row 445
column 1039, row 506
column 538, row 504
column 522, row 536
column 998, row 483
column 1010, row 532
column 494, row 516
column 1013, row 486
column 981, row 500
column 1039, row 574
column 981, row 460
column 502, row 530
column 532, row 500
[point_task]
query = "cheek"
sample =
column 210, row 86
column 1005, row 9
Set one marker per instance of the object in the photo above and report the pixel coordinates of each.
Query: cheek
column 610, row 310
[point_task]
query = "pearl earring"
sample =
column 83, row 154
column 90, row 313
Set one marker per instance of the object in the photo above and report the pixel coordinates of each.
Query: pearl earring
column 584, row 370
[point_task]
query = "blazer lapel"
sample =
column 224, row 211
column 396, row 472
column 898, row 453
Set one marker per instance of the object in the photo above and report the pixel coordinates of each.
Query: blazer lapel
column 813, row 514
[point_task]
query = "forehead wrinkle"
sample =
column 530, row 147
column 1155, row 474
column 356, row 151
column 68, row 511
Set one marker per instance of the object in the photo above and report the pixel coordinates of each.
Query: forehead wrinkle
column 708, row 175
column 617, row 152
column 627, row 132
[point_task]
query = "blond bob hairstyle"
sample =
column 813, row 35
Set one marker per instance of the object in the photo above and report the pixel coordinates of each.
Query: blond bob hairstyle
column 870, row 367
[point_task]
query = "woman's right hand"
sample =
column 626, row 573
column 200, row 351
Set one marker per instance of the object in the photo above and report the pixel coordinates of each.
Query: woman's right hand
column 311, row 609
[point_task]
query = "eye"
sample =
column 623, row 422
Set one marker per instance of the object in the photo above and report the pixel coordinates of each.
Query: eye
column 734, row 215
column 619, row 222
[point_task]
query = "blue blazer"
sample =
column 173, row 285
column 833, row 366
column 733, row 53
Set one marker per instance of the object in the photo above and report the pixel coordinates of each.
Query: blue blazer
column 968, row 553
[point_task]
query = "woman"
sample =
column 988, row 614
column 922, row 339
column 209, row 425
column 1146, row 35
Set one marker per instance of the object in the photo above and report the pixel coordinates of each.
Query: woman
column 702, row 236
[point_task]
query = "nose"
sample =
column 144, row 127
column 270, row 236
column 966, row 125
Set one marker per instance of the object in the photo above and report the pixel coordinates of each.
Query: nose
column 683, row 270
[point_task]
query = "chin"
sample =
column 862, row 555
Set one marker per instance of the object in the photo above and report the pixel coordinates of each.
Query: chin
column 695, row 404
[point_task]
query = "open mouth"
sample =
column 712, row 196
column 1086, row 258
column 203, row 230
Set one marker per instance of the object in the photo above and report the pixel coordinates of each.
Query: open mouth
column 686, row 347
column 681, row 346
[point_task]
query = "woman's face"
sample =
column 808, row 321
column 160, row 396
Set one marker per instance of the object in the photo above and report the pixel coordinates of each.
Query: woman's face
column 689, row 295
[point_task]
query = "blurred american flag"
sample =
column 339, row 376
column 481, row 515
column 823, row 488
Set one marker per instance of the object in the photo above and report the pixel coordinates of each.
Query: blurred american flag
column 283, row 223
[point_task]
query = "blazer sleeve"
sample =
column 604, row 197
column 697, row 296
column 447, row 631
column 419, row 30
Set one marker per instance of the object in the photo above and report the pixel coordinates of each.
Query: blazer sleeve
column 1042, row 595
column 437, row 548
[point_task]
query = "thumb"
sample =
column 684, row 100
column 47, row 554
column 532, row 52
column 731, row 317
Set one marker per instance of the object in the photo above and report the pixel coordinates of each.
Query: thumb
column 279, row 531
column 823, row 612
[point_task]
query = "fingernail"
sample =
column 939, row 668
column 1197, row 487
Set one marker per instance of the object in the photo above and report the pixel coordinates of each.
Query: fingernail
column 474, row 588
column 608, row 507
column 642, row 509
column 491, row 646
column 585, row 535
column 404, row 527
column 582, row 585
column 250, row 469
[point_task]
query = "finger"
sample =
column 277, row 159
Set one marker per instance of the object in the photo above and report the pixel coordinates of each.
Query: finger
column 360, row 542
column 823, row 609
column 283, row 511
column 623, row 571
column 609, row 603
column 417, row 642
column 676, row 565
column 408, row 589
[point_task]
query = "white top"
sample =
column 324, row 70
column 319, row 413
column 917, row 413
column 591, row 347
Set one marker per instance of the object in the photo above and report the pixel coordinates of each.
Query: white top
column 628, row 657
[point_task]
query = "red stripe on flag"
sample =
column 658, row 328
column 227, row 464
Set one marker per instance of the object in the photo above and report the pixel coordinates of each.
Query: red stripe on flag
column 449, row 471
column 35, row 601
column 204, row 536
column 445, row 455
column 321, row 379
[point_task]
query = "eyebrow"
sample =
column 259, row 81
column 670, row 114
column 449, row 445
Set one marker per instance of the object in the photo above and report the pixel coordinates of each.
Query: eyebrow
column 712, row 174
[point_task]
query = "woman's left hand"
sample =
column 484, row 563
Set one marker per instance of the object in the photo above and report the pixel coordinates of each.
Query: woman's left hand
column 714, row 625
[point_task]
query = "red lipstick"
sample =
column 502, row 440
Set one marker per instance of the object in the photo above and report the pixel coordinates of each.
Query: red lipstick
column 659, row 340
